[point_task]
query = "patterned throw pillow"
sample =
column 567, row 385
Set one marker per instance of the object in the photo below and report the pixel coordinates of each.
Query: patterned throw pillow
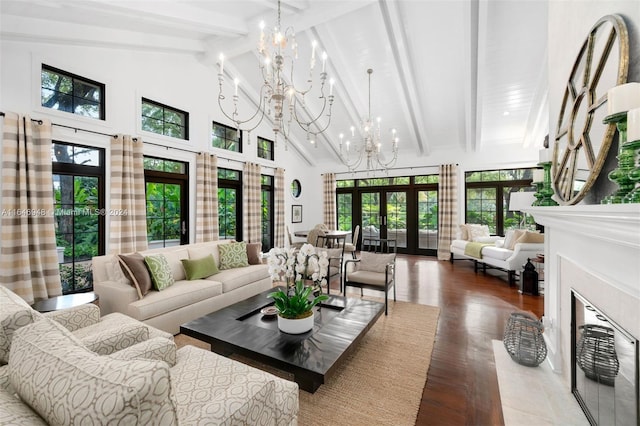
column 161, row 274
column 200, row 268
column 233, row 255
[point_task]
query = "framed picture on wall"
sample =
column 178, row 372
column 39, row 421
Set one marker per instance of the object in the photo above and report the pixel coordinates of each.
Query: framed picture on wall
column 296, row 213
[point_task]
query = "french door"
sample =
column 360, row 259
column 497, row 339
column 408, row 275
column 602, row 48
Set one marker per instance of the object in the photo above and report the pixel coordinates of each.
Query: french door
column 384, row 215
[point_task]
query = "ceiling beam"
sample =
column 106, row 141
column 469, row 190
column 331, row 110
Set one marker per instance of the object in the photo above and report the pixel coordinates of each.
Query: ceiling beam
column 397, row 41
column 471, row 82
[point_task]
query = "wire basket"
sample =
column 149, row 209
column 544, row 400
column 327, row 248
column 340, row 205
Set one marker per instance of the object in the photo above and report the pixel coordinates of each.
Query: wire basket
column 596, row 353
column 523, row 339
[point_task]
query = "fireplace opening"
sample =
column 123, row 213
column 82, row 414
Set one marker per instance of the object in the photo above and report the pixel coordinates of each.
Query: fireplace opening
column 604, row 366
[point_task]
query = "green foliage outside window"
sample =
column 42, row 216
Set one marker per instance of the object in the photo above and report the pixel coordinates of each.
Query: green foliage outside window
column 70, row 93
column 164, row 120
column 163, row 211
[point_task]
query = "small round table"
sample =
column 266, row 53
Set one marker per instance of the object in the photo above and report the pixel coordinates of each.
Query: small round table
column 64, row 302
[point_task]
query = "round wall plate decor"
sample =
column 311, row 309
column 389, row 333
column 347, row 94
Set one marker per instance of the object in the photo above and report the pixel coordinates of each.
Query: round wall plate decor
column 582, row 140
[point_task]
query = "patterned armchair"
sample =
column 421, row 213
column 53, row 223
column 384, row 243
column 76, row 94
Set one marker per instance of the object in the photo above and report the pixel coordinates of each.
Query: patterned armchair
column 53, row 377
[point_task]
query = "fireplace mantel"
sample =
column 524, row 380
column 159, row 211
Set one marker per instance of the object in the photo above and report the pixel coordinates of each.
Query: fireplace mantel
column 616, row 223
column 594, row 250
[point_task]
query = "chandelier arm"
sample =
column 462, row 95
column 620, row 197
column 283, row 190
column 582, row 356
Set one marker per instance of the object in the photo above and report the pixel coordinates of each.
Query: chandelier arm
column 240, row 123
column 306, row 125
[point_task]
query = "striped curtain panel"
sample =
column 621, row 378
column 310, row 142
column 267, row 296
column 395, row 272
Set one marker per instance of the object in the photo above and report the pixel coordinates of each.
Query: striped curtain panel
column 128, row 232
column 29, row 261
column 278, row 212
column 252, row 202
column 447, row 209
column 206, row 198
column 329, row 193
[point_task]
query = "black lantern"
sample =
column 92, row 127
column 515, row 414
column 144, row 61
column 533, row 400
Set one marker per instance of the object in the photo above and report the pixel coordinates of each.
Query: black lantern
column 529, row 279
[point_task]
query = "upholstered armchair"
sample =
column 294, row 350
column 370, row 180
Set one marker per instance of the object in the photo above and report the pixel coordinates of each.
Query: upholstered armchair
column 376, row 268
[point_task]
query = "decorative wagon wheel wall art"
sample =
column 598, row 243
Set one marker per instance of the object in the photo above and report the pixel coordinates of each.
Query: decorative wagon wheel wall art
column 582, row 140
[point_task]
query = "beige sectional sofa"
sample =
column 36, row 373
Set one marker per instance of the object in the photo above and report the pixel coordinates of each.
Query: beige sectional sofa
column 508, row 253
column 52, row 371
column 184, row 300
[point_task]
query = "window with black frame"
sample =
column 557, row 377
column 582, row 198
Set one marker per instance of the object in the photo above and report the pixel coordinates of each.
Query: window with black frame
column 230, row 204
column 225, row 137
column 164, row 120
column 488, row 193
column 167, row 200
column 79, row 201
column 267, row 213
column 265, row 149
column 64, row 91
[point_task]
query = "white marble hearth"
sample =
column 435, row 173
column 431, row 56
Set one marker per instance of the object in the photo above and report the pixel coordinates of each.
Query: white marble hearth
column 595, row 251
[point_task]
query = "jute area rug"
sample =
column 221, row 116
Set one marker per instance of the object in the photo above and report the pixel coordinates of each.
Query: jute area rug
column 381, row 382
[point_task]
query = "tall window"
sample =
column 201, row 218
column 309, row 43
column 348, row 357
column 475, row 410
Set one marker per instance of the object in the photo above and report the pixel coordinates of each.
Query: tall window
column 71, row 93
column 225, row 137
column 167, row 184
column 230, row 204
column 488, row 193
column 265, row 149
column 267, row 212
column 164, row 120
column 78, row 191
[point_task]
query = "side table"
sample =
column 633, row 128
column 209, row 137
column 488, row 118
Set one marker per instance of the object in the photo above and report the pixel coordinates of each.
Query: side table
column 65, row 301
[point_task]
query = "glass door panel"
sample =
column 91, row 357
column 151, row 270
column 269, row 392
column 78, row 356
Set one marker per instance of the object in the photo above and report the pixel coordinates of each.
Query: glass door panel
column 371, row 217
column 428, row 220
column 396, row 217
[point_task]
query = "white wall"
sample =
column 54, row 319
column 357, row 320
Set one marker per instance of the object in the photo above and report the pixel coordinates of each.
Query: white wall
column 177, row 80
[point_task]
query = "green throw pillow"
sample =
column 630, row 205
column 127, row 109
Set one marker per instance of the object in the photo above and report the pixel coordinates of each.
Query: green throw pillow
column 233, row 255
column 161, row 274
column 200, row 268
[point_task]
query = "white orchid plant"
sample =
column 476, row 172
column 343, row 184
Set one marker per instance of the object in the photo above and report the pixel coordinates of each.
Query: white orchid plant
column 291, row 265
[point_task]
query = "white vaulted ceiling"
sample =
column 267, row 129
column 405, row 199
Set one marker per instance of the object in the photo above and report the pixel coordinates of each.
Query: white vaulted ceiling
column 460, row 75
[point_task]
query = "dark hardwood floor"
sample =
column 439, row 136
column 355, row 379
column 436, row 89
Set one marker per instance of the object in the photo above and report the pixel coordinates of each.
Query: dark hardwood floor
column 462, row 386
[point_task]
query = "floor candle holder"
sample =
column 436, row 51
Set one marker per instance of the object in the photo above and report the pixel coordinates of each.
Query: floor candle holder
column 620, row 175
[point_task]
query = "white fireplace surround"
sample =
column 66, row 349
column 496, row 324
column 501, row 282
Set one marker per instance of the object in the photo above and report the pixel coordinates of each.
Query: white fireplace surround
column 595, row 250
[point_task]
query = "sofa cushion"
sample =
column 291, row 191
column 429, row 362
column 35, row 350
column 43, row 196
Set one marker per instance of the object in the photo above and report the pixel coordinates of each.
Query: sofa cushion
column 65, row 383
column 182, row 293
column 531, row 237
column 511, row 237
column 253, row 253
column 211, row 389
column 464, row 232
column 14, row 314
column 478, row 232
column 160, row 271
column 374, row 262
column 175, row 257
column 233, row 255
column 197, row 269
column 105, row 339
column 14, row 412
column 232, row 279
column 118, row 319
column 459, row 244
column 136, row 272
column 158, row 349
column 496, row 253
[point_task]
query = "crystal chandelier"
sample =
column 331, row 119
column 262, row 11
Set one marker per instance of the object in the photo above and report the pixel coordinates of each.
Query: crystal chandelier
column 280, row 99
column 371, row 146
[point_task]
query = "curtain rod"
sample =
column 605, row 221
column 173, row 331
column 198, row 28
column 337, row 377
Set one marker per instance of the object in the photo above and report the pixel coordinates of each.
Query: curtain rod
column 136, row 139
column 391, row 168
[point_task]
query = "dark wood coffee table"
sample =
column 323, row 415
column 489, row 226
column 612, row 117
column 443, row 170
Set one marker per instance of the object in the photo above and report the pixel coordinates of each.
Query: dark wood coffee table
column 311, row 357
